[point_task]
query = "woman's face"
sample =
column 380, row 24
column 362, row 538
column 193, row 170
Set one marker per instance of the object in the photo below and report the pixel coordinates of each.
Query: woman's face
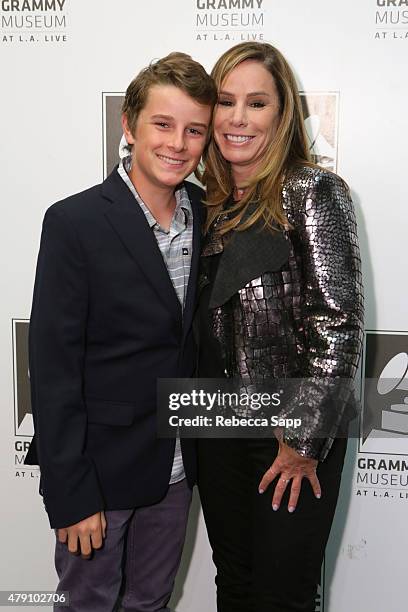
column 246, row 117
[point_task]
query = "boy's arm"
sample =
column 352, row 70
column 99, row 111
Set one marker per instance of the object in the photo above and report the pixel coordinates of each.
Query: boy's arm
column 57, row 353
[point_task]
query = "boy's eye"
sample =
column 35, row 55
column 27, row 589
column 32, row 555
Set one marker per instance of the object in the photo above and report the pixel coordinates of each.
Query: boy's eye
column 162, row 124
column 194, row 131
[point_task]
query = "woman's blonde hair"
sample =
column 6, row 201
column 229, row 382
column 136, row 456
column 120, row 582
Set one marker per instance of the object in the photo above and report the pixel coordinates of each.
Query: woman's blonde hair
column 288, row 149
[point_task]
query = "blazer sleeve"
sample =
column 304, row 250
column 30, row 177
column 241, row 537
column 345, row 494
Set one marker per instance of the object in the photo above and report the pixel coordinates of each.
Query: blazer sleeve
column 332, row 313
column 56, row 356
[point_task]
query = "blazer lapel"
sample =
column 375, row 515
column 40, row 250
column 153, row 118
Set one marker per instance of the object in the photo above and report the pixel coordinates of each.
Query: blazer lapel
column 129, row 222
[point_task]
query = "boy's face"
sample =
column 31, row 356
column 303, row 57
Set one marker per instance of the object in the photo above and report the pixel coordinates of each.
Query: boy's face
column 169, row 138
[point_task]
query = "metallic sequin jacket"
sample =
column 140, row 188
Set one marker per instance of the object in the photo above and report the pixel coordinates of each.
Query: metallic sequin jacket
column 290, row 304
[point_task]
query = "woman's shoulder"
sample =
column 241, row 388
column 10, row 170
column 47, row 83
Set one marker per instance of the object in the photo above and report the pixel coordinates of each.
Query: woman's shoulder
column 312, row 176
column 305, row 185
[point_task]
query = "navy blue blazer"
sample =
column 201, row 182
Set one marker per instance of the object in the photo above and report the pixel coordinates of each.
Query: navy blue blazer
column 105, row 324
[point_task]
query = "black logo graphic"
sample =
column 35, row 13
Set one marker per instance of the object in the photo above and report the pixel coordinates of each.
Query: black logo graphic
column 112, row 129
column 23, row 418
column 320, row 112
column 384, row 427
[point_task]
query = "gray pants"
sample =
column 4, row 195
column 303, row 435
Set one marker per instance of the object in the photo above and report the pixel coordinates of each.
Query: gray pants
column 153, row 537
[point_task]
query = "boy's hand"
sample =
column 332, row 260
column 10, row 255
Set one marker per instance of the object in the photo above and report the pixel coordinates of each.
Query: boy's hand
column 90, row 533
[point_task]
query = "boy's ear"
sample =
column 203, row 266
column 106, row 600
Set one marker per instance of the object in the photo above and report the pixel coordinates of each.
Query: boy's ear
column 130, row 139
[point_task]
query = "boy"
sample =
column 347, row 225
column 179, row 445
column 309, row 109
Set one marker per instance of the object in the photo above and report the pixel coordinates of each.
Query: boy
column 112, row 310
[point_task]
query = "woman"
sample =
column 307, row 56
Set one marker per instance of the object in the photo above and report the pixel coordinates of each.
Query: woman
column 280, row 297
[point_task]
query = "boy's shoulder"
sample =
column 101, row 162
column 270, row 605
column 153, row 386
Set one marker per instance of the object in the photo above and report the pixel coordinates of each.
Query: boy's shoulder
column 79, row 204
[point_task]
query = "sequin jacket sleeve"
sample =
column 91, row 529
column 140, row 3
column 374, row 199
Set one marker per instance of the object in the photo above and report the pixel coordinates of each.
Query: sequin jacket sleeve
column 324, row 237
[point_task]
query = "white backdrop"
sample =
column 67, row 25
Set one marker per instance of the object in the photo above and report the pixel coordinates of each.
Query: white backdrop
column 54, row 70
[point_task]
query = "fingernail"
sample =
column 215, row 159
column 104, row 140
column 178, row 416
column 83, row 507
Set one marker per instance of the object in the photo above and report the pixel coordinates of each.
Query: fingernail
column 261, row 490
column 318, row 495
column 275, row 507
column 291, row 508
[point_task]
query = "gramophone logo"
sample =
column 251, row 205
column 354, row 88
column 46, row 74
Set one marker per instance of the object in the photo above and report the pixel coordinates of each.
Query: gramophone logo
column 320, row 113
column 385, row 404
column 23, row 418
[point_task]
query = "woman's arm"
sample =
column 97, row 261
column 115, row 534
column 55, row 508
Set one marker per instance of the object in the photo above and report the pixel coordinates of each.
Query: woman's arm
column 332, row 326
column 332, row 314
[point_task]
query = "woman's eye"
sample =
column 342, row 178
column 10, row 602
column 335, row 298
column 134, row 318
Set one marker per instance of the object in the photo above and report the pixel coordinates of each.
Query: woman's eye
column 258, row 104
column 225, row 102
column 194, row 131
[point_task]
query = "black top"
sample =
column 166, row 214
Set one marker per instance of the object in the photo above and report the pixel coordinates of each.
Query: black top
column 210, row 361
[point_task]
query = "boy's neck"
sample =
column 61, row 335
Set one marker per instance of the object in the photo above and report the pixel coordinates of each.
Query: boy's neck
column 160, row 200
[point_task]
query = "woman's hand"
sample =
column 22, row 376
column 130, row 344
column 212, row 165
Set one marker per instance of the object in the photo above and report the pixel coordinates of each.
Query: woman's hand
column 291, row 467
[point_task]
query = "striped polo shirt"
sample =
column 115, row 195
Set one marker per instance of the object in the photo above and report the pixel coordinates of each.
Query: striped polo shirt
column 176, row 248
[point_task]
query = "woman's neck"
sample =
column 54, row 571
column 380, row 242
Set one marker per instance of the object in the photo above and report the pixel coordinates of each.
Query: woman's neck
column 240, row 177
